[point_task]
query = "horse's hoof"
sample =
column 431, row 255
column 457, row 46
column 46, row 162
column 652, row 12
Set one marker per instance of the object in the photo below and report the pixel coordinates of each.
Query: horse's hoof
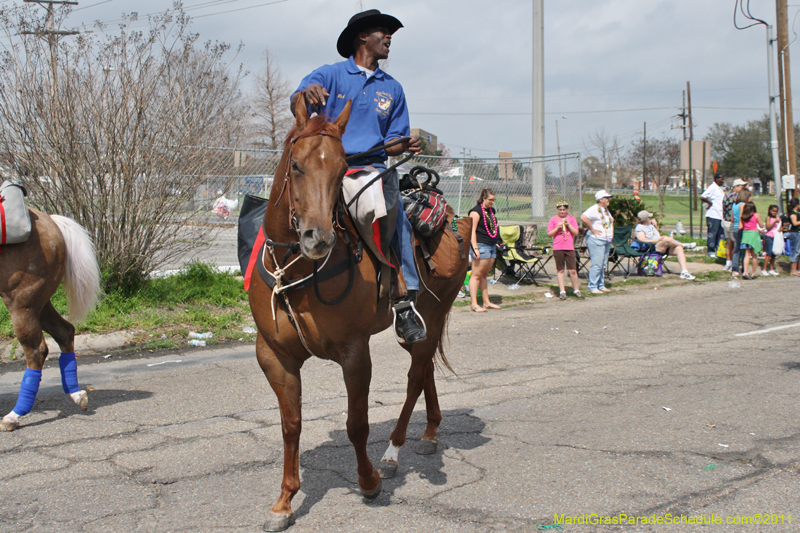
column 9, row 425
column 82, row 400
column 426, row 447
column 371, row 494
column 387, row 469
column 278, row 522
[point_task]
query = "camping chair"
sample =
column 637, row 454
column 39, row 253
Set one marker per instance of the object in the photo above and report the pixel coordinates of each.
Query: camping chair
column 520, row 261
column 621, row 251
column 582, row 260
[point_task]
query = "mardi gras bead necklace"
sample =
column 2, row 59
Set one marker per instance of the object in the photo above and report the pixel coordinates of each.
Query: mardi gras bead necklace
column 492, row 234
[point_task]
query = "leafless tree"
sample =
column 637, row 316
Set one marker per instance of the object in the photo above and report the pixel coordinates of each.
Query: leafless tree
column 662, row 160
column 271, row 105
column 601, row 145
column 119, row 140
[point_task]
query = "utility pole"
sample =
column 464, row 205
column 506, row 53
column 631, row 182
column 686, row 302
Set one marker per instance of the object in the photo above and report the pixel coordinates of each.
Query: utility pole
column 52, row 39
column 785, row 87
column 683, row 116
column 538, row 200
column 773, row 128
column 692, row 180
column 644, row 159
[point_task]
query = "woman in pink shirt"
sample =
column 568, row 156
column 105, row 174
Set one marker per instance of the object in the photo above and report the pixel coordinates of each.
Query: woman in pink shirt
column 563, row 228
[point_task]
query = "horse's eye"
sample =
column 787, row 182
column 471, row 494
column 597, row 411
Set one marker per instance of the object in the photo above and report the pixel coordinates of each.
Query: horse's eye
column 295, row 167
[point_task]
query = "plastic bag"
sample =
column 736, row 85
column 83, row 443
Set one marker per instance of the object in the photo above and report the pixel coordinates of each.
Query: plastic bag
column 223, row 207
column 722, row 249
column 777, row 243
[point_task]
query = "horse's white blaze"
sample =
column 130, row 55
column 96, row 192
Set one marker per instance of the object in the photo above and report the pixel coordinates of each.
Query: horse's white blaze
column 392, row 453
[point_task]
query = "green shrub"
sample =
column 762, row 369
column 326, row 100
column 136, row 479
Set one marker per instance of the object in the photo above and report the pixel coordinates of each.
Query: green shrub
column 625, row 209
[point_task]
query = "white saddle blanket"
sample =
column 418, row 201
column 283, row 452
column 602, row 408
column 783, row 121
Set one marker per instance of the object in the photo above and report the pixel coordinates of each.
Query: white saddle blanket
column 371, row 205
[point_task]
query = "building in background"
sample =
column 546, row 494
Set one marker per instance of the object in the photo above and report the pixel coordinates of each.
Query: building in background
column 429, row 141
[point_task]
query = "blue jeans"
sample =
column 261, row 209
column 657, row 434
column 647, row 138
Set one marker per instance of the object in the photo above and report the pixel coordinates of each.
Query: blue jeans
column 715, row 233
column 738, row 256
column 403, row 244
column 487, row 251
column 598, row 253
column 403, row 240
column 794, row 239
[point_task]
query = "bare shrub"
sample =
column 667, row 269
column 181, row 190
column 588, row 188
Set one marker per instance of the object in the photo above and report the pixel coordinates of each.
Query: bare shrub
column 117, row 135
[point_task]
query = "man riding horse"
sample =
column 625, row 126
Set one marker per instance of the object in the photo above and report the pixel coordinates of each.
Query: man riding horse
column 378, row 116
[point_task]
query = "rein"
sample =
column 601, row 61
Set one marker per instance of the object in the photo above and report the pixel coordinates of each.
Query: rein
column 275, row 280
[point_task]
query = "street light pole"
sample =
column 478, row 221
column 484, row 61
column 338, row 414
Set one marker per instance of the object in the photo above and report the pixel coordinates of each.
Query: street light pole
column 773, row 128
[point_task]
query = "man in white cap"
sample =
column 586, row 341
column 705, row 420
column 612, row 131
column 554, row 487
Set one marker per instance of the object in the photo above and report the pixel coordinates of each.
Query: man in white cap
column 727, row 219
column 646, row 231
column 599, row 234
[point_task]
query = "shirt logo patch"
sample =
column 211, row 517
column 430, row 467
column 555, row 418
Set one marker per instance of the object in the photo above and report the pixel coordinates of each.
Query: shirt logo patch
column 384, row 101
column 340, row 96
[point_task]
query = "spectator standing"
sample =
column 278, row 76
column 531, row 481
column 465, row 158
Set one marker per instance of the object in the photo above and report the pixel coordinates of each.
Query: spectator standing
column 563, row 228
column 600, row 226
column 485, row 236
column 647, row 231
column 772, row 223
column 713, row 197
column 750, row 224
column 742, row 198
column 727, row 219
column 793, row 234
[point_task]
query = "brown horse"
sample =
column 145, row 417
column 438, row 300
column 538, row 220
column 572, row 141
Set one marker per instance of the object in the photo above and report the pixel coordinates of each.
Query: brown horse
column 30, row 272
column 294, row 325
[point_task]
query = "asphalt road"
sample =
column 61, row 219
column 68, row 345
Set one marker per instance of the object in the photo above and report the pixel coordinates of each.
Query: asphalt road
column 644, row 403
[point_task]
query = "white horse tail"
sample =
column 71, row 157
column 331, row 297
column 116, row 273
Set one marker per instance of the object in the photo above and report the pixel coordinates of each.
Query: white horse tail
column 82, row 277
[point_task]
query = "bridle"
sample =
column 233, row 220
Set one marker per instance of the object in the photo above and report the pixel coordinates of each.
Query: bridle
column 287, row 177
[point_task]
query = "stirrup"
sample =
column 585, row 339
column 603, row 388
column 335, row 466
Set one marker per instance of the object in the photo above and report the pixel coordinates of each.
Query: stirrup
column 403, row 306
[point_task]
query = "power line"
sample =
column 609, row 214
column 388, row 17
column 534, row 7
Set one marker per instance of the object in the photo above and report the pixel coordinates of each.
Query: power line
column 204, row 5
column 548, row 113
column 91, row 5
column 240, row 9
column 739, row 6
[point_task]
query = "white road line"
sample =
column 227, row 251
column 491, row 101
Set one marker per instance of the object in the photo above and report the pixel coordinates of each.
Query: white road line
column 759, row 331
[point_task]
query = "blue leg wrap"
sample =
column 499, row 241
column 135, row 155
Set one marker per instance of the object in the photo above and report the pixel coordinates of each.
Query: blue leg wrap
column 27, row 391
column 69, row 372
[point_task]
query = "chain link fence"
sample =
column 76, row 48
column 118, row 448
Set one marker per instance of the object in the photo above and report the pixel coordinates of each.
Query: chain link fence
column 526, row 189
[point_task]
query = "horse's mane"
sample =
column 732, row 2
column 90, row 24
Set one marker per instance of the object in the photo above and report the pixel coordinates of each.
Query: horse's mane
column 315, row 125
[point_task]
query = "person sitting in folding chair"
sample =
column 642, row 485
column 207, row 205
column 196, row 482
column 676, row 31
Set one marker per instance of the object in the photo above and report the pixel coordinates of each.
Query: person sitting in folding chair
column 647, row 232
column 485, row 237
column 563, row 228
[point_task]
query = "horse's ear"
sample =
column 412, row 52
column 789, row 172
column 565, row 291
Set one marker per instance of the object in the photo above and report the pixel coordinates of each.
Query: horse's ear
column 344, row 116
column 301, row 111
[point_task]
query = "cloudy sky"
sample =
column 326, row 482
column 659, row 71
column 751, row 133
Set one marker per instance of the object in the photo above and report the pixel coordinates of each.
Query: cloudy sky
column 610, row 65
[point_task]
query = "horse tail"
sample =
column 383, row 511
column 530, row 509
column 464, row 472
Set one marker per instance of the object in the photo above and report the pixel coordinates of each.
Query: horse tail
column 443, row 333
column 82, row 276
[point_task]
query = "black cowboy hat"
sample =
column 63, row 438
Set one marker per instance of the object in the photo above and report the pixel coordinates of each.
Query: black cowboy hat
column 363, row 21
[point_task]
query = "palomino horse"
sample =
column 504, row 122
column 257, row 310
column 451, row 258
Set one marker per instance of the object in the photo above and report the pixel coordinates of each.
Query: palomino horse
column 294, row 325
column 30, row 273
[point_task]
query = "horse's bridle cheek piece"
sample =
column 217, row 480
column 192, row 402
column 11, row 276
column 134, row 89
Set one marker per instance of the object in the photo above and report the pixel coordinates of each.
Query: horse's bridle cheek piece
column 287, row 177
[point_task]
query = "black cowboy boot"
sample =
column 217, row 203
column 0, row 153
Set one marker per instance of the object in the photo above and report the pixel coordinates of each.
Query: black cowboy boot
column 406, row 323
